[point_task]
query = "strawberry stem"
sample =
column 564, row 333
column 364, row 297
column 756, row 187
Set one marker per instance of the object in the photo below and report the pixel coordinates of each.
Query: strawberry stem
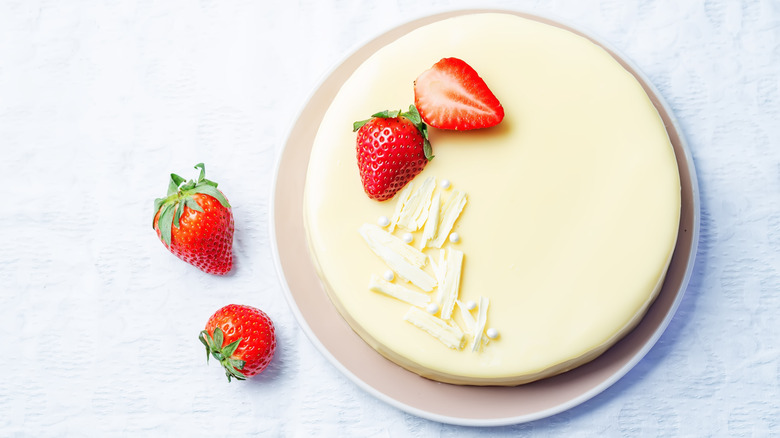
column 179, row 195
column 224, row 354
column 413, row 115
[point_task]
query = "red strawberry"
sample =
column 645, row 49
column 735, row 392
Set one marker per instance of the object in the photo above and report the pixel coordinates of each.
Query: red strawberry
column 241, row 338
column 451, row 95
column 195, row 223
column 392, row 148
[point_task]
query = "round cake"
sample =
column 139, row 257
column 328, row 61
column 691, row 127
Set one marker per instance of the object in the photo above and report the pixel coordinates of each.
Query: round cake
column 552, row 231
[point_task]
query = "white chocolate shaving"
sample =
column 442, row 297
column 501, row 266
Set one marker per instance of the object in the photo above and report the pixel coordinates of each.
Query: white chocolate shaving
column 484, row 302
column 439, row 269
column 447, row 334
column 398, row 292
column 432, row 223
column 415, row 209
column 372, row 233
column 405, row 260
column 467, row 317
column 403, row 196
column 451, row 286
column 450, row 213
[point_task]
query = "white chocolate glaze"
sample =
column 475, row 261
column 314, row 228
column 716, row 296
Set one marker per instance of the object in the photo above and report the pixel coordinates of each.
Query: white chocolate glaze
column 573, row 200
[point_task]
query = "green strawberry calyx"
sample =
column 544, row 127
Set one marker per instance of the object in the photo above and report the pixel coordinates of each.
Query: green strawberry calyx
column 179, row 195
column 214, row 348
column 413, row 115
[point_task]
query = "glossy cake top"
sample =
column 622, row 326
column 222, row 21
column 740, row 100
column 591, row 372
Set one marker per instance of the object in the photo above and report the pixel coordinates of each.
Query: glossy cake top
column 572, row 209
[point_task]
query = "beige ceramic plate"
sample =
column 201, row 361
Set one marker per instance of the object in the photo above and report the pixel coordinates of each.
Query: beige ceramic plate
column 465, row 405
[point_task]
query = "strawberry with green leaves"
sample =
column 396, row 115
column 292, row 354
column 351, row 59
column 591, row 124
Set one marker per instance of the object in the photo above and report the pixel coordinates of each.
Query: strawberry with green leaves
column 195, row 222
column 242, row 338
column 451, row 95
column 392, row 148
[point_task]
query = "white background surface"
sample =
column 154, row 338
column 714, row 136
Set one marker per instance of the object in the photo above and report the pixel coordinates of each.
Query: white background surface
column 100, row 101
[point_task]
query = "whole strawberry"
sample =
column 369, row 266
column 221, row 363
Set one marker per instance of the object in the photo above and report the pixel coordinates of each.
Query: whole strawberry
column 451, row 95
column 241, row 338
column 195, row 222
column 392, row 148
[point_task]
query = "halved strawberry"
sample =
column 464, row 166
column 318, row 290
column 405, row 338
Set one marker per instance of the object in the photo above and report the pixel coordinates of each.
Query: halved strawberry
column 451, row 95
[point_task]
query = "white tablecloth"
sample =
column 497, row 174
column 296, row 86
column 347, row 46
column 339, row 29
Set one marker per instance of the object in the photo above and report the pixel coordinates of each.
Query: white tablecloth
column 100, row 101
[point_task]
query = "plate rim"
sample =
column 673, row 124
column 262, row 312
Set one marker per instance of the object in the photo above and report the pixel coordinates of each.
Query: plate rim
column 687, row 159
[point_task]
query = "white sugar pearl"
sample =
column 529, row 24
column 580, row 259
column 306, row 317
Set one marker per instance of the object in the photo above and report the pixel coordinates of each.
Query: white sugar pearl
column 407, row 237
column 454, row 237
column 492, row 333
column 471, row 305
column 432, row 308
column 445, row 184
column 389, row 275
column 383, row 221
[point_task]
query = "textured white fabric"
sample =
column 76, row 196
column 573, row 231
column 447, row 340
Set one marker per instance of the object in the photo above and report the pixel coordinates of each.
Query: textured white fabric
column 100, row 101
